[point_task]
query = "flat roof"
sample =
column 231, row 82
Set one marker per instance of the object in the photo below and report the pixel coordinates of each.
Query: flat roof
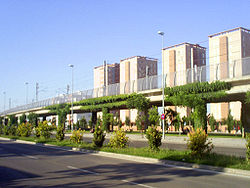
column 107, row 65
column 228, row 31
column 144, row 57
column 184, row 43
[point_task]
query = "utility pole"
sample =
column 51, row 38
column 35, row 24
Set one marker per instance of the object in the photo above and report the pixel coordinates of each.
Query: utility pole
column 72, row 84
column 4, row 96
column 26, row 83
column 147, row 73
column 163, row 82
column 67, row 89
column 9, row 103
column 37, row 90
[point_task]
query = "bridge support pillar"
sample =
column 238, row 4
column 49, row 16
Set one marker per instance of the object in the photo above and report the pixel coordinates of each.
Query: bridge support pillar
column 94, row 118
column 245, row 116
column 44, row 118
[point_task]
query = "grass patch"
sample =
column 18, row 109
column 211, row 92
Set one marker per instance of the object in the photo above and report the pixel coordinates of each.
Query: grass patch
column 164, row 154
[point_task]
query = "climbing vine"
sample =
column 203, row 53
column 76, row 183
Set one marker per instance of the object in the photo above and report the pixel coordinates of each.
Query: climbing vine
column 247, row 97
column 61, row 110
column 195, row 96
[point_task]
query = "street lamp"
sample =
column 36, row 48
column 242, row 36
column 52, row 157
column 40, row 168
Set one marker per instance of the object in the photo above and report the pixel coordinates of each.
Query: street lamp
column 26, row 83
column 163, row 82
column 72, row 66
column 4, row 97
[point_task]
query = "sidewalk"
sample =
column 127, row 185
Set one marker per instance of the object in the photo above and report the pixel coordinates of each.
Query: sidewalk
column 217, row 142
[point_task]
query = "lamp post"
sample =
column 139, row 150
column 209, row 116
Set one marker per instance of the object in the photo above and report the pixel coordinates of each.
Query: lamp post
column 26, row 83
column 4, row 98
column 72, row 66
column 163, row 83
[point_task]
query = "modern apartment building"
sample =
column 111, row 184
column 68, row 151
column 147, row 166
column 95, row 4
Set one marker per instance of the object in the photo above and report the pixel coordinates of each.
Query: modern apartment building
column 106, row 74
column 184, row 63
column 227, row 51
column 133, row 76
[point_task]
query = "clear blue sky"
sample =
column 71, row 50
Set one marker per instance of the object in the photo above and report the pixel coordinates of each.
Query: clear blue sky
column 39, row 38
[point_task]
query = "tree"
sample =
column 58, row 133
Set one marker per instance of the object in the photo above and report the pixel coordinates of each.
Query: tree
column 127, row 121
column 12, row 120
column 33, row 119
column 141, row 103
column 230, row 121
column 61, row 110
column 154, row 117
column 111, row 121
column 22, row 119
column 195, row 96
column 105, row 119
column 212, row 122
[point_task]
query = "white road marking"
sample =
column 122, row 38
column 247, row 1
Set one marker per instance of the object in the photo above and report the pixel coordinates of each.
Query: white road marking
column 168, row 165
column 139, row 184
column 29, row 156
column 82, row 170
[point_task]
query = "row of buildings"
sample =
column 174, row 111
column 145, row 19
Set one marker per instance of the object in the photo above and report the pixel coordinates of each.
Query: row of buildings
column 226, row 51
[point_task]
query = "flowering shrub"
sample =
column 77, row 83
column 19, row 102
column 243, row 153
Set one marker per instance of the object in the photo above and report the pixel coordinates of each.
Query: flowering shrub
column 6, row 130
column 154, row 138
column 76, row 137
column 24, row 129
column 43, row 130
column 198, row 144
column 99, row 137
column 60, row 133
column 118, row 140
column 12, row 130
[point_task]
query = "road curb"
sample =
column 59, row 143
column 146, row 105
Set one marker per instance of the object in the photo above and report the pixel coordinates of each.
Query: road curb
column 179, row 164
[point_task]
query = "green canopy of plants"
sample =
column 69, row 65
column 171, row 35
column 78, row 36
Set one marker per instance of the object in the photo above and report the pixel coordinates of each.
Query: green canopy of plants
column 195, row 96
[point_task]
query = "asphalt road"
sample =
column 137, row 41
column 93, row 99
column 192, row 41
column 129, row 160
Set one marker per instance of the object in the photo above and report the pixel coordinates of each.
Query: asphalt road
column 24, row 165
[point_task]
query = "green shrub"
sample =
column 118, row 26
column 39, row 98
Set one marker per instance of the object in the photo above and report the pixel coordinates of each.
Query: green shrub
column 44, row 130
column 198, row 143
column 99, row 137
column 77, row 136
column 24, row 129
column 6, row 130
column 60, row 133
column 154, row 117
column 82, row 124
column 37, row 131
column 98, row 122
column 154, row 138
column 230, row 122
column 90, row 124
column 127, row 121
column 111, row 121
column 248, row 147
column 12, row 130
column 212, row 122
column 1, row 128
column 118, row 140
column 105, row 119
column 138, row 122
column 33, row 119
column 22, row 118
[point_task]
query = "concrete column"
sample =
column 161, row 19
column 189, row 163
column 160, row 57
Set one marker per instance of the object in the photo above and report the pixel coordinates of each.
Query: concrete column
column 94, row 118
column 245, row 116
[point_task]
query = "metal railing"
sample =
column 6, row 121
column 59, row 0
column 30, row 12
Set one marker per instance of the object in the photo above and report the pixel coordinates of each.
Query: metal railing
column 221, row 71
